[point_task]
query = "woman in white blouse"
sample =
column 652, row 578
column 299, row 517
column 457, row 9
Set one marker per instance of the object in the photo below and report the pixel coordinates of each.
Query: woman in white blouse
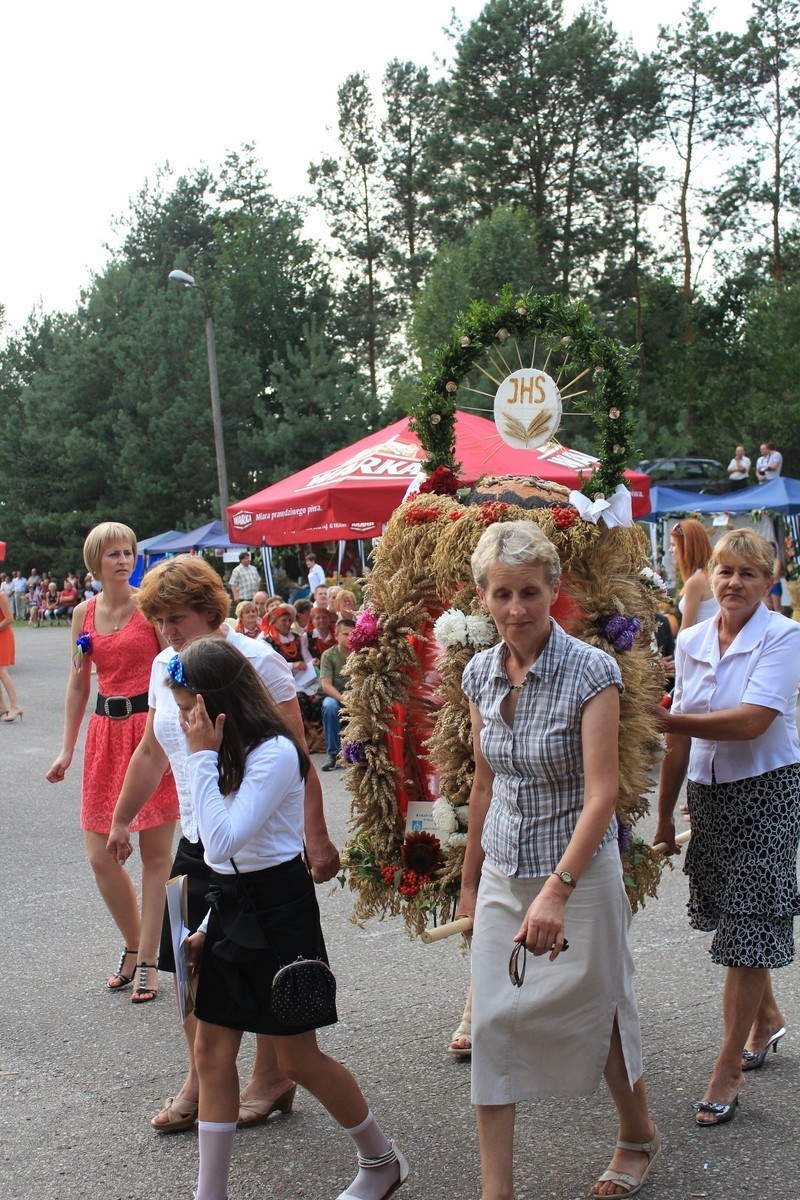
column 732, row 727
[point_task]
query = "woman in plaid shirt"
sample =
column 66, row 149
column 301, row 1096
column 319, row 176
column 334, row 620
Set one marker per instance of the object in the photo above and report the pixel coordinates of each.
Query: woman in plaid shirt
column 542, row 863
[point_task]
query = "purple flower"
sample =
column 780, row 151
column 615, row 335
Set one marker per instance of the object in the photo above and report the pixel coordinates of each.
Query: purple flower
column 84, row 643
column 621, row 631
column 614, row 626
column 623, row 836
column 354, row 753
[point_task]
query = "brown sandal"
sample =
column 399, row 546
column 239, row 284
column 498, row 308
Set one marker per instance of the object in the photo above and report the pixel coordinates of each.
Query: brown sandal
column 182, row 1114
column 118, row 982
column 142, row 993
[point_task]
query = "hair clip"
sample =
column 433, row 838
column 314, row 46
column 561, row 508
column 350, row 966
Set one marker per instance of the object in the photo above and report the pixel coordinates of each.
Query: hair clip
column 176, row 672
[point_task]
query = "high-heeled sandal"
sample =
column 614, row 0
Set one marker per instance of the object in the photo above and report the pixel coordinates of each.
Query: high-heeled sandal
column 118, row 982
column 143, row 994
column 11, row 715
column 255, row 1112
column 383, row 1160
column 722, row 1112
column 633, row 1185
column 752, row 1059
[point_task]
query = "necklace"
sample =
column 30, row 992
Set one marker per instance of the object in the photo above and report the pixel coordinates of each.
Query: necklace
column 115, row 620
column 517, row 687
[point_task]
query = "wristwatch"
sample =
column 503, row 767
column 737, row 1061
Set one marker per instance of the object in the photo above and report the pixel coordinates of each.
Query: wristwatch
column 566, row 878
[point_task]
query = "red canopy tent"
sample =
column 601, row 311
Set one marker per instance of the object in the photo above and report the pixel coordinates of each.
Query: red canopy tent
column 352, row 493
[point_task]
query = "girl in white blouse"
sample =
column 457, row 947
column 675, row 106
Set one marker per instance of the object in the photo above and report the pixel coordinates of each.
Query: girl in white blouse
column 246, row 772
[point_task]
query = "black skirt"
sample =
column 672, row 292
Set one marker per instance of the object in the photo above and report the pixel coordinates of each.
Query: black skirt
column 189, row 861
column 259, row 922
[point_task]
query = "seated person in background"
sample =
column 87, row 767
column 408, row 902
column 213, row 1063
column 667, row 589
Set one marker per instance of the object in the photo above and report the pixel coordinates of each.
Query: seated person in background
column 272, row 602
column 88, row 590
column 302, row 621
column 321, row 596
column 247, row 619
column 322, row 635
column 67, row 599
column 260, row 600
column 345, row 603
column 279, row 635
column 351, row 582
column 333, row 682
column 51, row 601
column 34, row 593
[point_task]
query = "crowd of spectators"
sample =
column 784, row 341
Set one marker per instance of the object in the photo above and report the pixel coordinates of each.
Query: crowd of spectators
column 39, row 600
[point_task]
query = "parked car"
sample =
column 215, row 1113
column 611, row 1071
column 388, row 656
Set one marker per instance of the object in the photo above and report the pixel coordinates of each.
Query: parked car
column 687, row 474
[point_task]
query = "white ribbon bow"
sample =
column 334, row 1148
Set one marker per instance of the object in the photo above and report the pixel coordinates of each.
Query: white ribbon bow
column 616, row 511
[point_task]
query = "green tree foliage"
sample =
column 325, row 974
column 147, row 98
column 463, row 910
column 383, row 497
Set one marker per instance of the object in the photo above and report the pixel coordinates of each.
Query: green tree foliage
column 106, row 413
column 535, row 106
column 500, row 249
column 349, row 190
column 767, row 182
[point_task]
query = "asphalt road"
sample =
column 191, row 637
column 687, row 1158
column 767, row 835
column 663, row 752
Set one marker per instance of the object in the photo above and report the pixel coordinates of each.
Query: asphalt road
column 82, row 1071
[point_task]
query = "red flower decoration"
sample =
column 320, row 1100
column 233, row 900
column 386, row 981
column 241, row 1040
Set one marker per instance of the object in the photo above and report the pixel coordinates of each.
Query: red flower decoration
column 422, row 853
column 422, row 516
column 565, row 517
column 456, row 514
column 491, row 511
column 441, row 482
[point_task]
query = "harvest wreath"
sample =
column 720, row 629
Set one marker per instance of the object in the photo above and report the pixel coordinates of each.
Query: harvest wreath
column 407, row 736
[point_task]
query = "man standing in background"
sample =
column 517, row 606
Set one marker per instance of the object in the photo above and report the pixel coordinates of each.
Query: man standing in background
column 739, row 470
column 244, row 579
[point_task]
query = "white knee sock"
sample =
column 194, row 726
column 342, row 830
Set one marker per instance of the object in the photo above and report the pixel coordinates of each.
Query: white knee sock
column 216, row 1147
column 373, row 1182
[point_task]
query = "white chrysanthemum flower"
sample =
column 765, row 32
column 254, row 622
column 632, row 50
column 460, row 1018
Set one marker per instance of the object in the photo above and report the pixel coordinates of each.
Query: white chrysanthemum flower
column 451, row 628
column 445, row 816
column 462, row 812
column 481, row 631
column 457, row 839
column 652, row 579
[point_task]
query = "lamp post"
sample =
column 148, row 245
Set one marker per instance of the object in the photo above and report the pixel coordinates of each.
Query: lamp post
column 216, row 407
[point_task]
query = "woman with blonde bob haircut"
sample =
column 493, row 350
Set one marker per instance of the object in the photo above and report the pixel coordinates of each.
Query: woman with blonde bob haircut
column 691, row 548
column 109, row 631
column 542, row 873
column 732, row 729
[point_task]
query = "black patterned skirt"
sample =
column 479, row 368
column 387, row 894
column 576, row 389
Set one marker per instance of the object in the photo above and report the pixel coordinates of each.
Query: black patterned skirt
column 742, row 866
column 259, row 922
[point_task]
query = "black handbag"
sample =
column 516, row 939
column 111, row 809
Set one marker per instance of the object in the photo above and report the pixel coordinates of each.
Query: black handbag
column 304, row 991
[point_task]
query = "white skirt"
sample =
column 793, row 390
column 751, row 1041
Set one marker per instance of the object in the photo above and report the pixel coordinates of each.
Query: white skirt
column 551, row 1036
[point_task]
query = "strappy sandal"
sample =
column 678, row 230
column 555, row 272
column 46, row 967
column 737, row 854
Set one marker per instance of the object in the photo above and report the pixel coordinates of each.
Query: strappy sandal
column 255, row 1112
column 181, row 1114
column 462, row 1034
column 393, row 1154
column 631, row 1184
column 143, row 994
column 118, row 982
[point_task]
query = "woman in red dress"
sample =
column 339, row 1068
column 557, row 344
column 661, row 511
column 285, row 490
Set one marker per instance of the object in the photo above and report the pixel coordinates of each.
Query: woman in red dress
column 8, row 712
column 110, row 632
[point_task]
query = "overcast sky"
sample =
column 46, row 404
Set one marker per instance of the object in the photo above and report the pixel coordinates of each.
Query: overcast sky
column 95, row 96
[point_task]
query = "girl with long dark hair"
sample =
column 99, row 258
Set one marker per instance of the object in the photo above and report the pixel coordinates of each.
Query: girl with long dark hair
column 246, row 771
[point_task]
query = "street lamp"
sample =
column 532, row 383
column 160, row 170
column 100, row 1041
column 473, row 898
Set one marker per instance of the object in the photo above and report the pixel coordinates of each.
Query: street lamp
column 216, row 407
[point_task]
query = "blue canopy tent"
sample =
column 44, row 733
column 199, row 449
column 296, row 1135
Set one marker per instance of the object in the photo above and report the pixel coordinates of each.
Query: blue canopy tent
column 778, row 496
column 147, row 555
column 210, row 536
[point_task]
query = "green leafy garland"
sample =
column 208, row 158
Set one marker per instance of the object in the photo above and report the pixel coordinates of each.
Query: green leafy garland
column 557, row 322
